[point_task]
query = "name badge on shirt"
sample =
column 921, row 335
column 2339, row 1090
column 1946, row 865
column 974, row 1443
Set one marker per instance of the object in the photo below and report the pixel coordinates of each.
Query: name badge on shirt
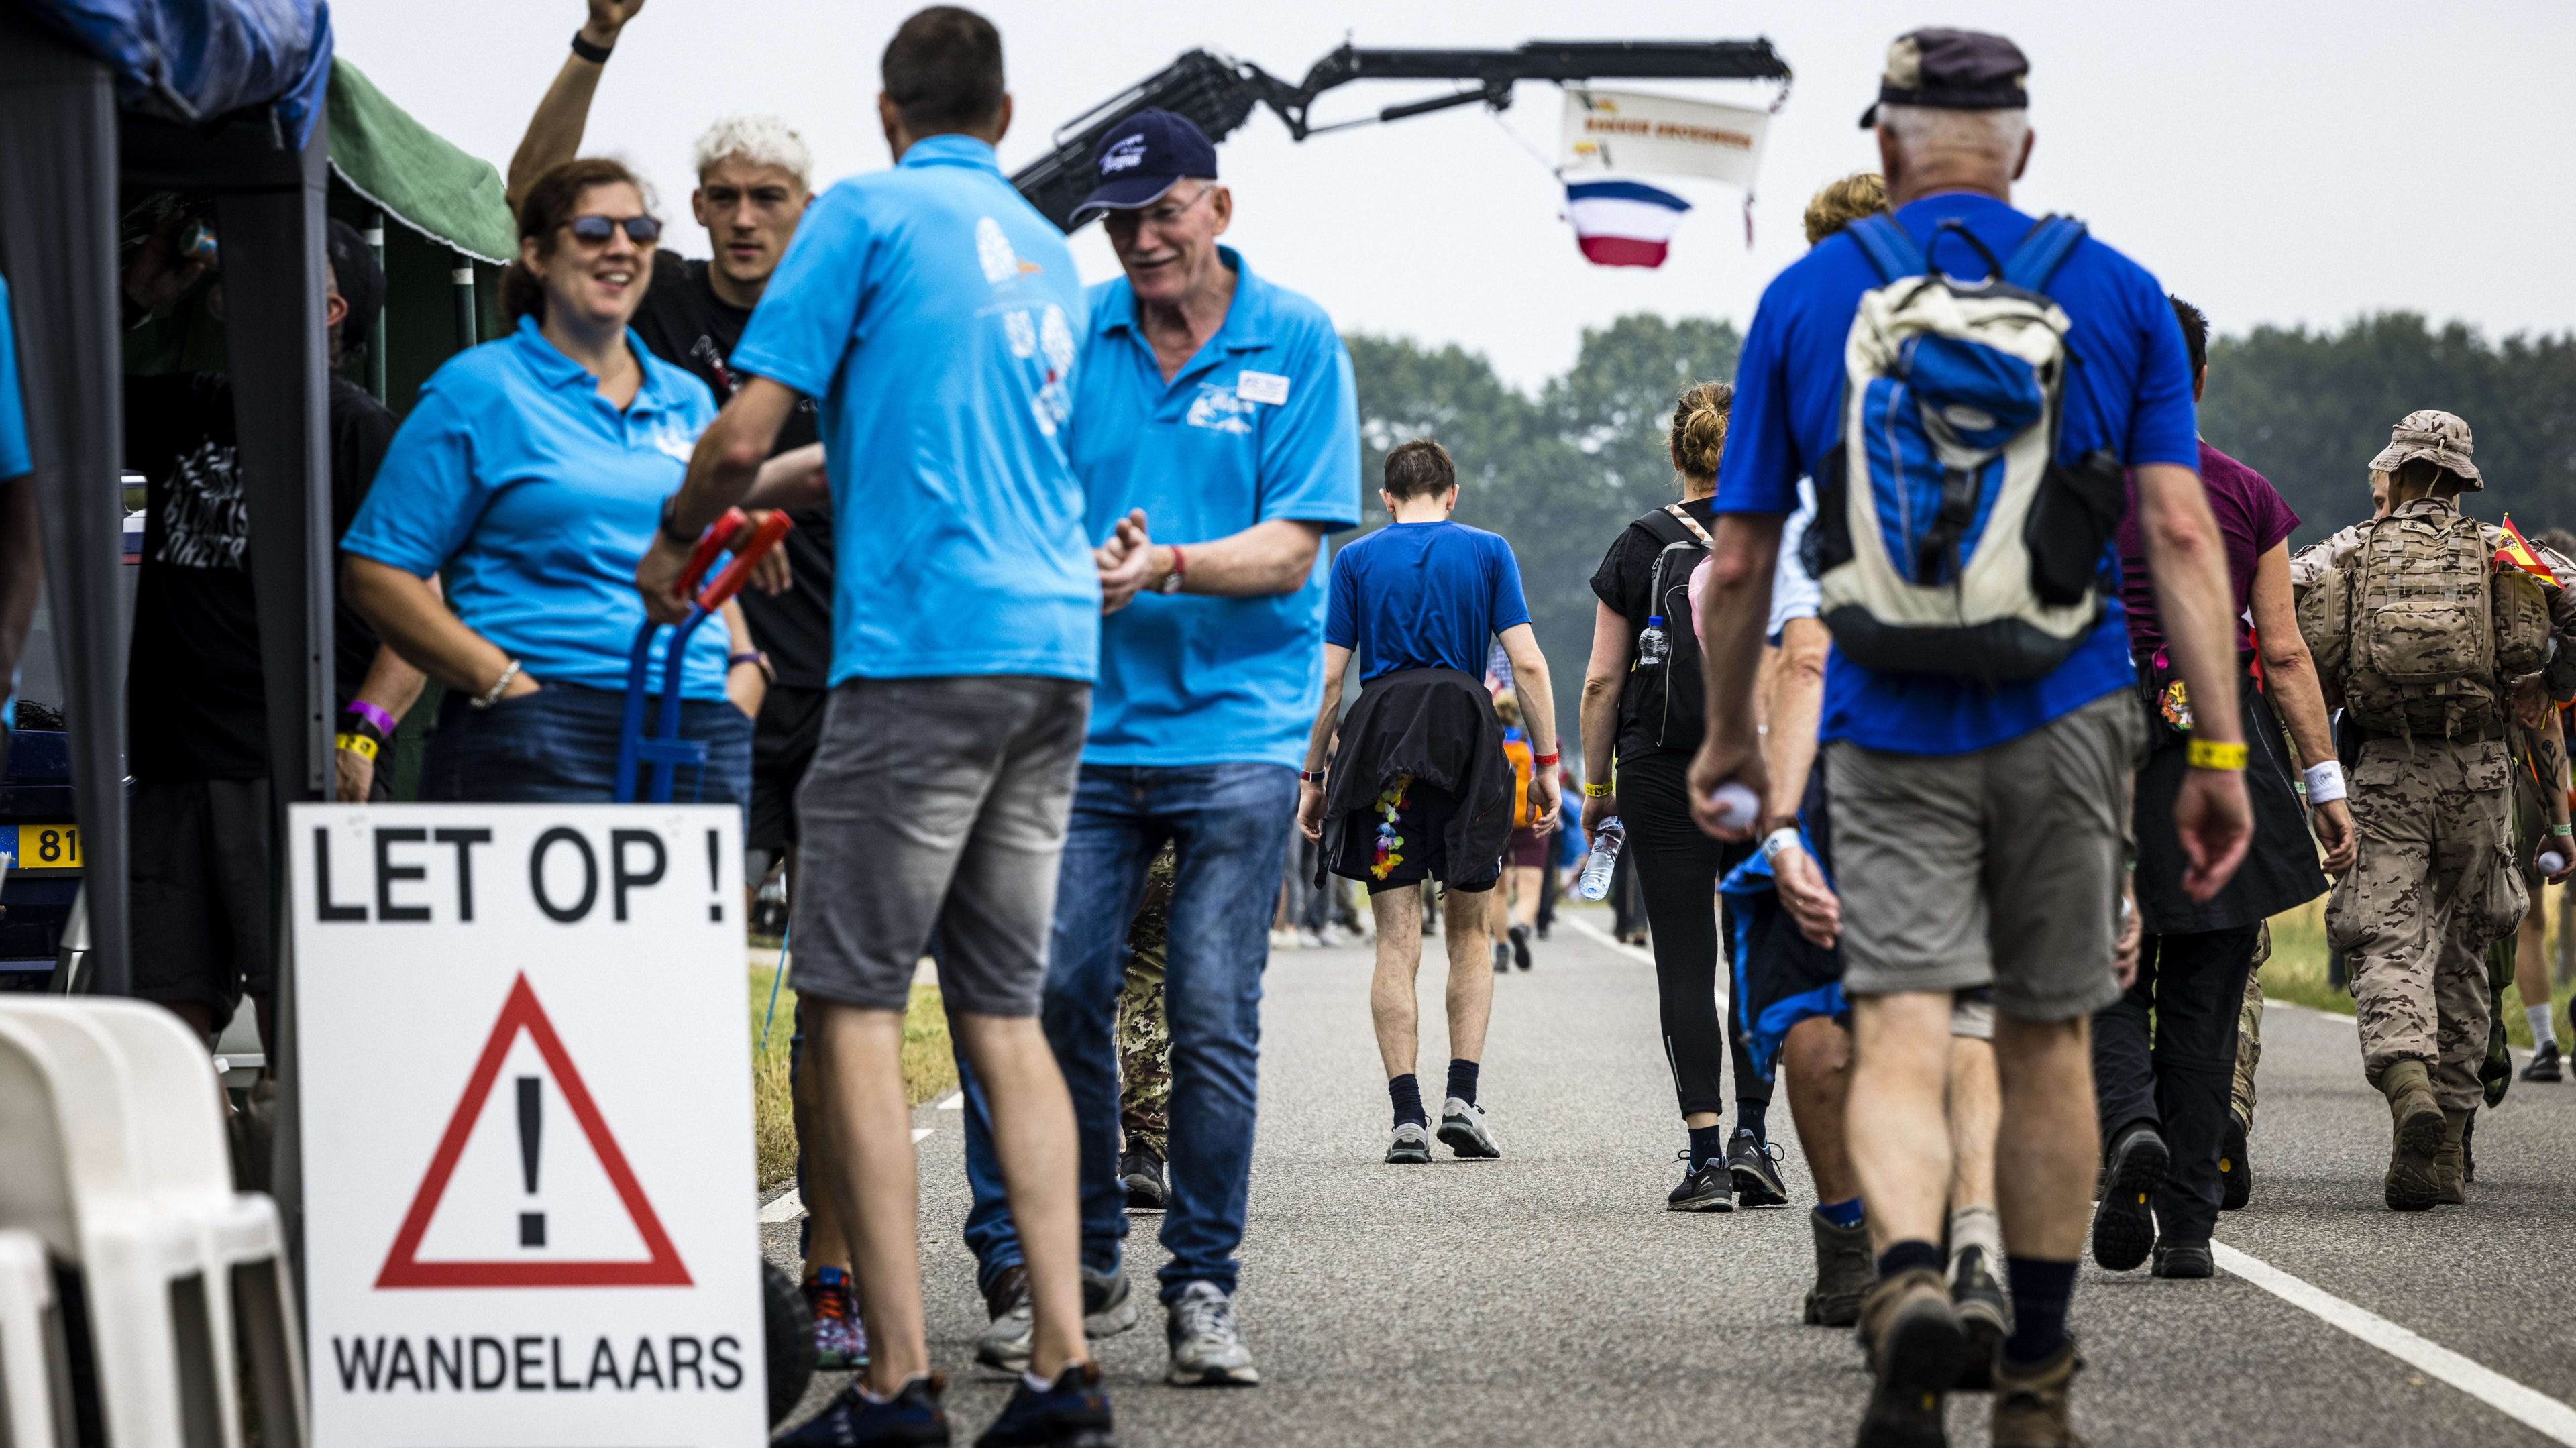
column 1267, row 387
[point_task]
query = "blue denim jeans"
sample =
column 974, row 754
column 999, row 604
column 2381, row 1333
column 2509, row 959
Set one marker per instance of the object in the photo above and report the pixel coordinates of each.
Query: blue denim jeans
column 1228, row 824
column 559, row 746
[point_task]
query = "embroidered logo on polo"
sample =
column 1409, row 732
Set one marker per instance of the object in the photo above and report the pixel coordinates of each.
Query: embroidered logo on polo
column 1125, row 156
column 1047, row 340
column 1221, row 409
column 672, row 442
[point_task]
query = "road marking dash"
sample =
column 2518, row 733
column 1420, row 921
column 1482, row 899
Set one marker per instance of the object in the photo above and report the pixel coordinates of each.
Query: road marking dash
column 953, row 1101
column 787, row 1206
column 918, row 1133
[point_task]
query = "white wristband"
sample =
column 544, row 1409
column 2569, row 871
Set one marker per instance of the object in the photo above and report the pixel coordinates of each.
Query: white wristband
column 2325, row 782
column 1778, row 840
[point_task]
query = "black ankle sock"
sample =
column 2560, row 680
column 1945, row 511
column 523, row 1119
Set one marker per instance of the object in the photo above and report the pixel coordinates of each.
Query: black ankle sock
column 1906, row 1256
column 1707, row 1142
column 1748, row 1117
column 1462, row 1081
column 2040, row 1290
column 1406, row 1092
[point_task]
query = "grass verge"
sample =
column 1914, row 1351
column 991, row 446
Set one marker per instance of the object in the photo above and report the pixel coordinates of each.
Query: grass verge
column 2297, row 970
column 929, row 1067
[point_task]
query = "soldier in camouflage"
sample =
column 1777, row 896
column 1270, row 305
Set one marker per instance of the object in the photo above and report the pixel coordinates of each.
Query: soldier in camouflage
column 2437, row 879
column 1145, row 1047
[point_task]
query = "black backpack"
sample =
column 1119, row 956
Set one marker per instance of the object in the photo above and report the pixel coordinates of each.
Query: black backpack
column 1665, row 702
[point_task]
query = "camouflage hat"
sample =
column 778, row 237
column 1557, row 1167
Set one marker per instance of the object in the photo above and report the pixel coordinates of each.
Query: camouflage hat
column 1960, row 70
column 2439, row 436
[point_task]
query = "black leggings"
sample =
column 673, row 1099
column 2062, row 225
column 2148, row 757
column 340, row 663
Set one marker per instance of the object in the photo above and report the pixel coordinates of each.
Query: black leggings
column 1678, row 868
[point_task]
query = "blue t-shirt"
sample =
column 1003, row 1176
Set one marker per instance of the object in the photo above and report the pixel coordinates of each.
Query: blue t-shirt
column 1423, row 596
column 2130, row 393
column 539, row 498
column 1263, row 423
column 937, row 316
column 14, row 459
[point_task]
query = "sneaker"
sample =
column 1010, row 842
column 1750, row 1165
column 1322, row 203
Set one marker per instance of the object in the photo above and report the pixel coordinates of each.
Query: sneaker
column 1984, row 1311
column 1754, row 1168
column 2235, row 1171
column 912, row 1418
column 1411, row 1145
column 1705, row 1187
column 840, row 1339
column 1005, row 1343
column 1915, row 1346
column 2124, row 1224
column 1462, row 1130
column 2544, row 1063
column 1108, row 1307
column 2031, row 1400
column 2184, row 1260
column 1520, row 946
column 1844, row 1271
column 1141, row 1173
column 1502, row 957
column 1207, row 1342
column 1072, row 1413
column 1309, row 939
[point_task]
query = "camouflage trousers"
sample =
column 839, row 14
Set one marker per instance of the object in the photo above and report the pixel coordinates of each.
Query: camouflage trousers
column 2435, row 884
column 1144, row 1036
column 2249, row 1032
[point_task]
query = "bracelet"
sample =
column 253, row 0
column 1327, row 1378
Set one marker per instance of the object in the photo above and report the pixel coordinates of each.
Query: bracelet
column 1599, row 791
column 357, row 744
column 1310, row 776
column 2325, row 782
column 2562, row 830
column 1778, row 840
column 768, row 671
column 677, row 540
column 595, row 54
column 2210, row 754
column 1180, row 568
column 492, row 695
column 1547, row 761
column 385, row 724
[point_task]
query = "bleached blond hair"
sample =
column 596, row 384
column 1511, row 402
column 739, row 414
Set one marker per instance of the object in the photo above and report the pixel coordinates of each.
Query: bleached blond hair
column 761, row 140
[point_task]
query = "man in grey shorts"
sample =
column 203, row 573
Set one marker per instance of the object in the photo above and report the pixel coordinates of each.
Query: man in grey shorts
column 1978, row 827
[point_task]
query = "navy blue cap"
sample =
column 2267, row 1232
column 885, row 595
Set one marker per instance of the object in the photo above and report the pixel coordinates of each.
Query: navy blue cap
column 1139, row 158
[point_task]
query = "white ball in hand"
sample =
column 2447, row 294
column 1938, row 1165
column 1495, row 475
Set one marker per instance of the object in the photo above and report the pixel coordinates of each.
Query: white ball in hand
column 2551, row 862
column 1737, row 805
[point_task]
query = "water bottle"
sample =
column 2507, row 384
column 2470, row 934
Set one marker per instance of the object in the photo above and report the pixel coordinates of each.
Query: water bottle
column 1595, row 884
column 1653, row 644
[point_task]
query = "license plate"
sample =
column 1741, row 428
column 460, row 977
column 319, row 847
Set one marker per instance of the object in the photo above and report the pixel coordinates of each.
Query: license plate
column 48, row 847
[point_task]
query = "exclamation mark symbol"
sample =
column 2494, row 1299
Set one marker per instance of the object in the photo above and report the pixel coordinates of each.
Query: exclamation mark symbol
column 715, row 878
column 532, row 1225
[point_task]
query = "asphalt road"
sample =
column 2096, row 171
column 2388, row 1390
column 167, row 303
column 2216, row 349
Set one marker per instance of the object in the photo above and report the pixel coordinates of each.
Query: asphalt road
column 1548, row 1298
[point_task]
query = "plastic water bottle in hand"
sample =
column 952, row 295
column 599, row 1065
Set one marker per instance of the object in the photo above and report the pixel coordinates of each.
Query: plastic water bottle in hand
column 1737, row 805
column 1595, row 884
column 1653, row 644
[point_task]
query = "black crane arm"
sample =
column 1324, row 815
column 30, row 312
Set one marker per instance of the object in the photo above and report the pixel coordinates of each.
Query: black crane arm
column 1219, row 92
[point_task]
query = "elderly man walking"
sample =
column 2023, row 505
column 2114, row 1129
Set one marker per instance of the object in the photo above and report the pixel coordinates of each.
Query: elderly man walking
column 1980, row 774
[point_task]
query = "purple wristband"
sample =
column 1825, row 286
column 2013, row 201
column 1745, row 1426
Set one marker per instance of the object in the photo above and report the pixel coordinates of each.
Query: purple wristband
column 385, row 723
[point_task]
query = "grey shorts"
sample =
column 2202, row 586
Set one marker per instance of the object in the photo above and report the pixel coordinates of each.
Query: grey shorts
column 935, row 808
column 2000, row 867
column 1972, row 1015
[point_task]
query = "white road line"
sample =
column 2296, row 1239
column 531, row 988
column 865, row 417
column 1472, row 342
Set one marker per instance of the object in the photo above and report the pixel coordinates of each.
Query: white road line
column 918, row 1133
column 786, row 1207
column 953, row 1101
column 2535, row 1410
column 1633, row 952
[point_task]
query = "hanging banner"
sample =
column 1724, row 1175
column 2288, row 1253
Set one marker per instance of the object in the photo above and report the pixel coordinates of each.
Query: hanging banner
column 1630, row 133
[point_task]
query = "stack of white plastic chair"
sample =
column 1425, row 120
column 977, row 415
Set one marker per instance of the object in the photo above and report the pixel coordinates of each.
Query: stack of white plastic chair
column 185, row 1281
column 35, row 1368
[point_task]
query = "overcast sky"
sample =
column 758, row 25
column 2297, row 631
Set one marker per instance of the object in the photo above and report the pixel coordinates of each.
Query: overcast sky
column 2280, row 163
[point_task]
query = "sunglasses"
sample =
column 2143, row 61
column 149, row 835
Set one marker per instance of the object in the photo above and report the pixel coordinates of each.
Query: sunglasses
column 595, row 230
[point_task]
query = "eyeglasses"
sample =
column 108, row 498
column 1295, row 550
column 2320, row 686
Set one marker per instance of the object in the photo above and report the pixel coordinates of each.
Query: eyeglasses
column 1126, row 221
column 595, row 230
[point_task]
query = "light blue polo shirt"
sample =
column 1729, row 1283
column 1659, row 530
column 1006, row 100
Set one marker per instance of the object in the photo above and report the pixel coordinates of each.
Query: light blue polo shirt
column 539, row 498
column 1263, row 423
column 14, row 458
column 937, row 317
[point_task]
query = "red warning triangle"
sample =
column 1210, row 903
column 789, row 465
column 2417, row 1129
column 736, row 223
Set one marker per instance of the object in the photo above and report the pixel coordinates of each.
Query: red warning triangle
column 402, row 1266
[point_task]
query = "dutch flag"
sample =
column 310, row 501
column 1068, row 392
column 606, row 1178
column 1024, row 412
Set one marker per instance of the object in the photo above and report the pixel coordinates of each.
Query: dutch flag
column 1622, row 223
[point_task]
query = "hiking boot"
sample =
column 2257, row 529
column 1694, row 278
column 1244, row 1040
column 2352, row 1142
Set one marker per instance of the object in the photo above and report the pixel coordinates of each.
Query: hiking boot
column 1108, row 1307
column 1754, row 1166
column 2235, row 1172
column 1072, row 1413
column 1141, row 1173
column 1844, row 1272
column 1706, row 1186
column 2030, row 1401
column 1411, row 1145
column 1984, row 1311
column 2417, row 1133
column 2184, row 1260
column 840, row 1339
column 912, row 1418
column 1520, row 946
column 2449, row 1173
column 1915, row 1347
column 2544, row 1064
column 2124, row 1225
column 1462, row 1130
column 1206, row 1341
column 1005, row 1343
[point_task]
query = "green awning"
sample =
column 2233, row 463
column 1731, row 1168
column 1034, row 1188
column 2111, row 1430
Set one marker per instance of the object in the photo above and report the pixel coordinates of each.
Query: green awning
column 419, row 178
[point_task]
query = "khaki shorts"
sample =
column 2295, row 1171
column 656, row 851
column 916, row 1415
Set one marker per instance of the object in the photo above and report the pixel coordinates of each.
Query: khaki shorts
column 1999, row 868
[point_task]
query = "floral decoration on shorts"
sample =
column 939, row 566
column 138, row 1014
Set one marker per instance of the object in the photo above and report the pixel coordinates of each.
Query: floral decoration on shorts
column 1390, row 817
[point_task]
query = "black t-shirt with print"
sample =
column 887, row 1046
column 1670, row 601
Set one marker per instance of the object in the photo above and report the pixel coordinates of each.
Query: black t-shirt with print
column 1623, row 581
column 195, row 703
column 686, row 324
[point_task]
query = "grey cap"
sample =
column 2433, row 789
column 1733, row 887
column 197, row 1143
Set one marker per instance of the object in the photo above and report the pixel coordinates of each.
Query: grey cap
column 1959, row 70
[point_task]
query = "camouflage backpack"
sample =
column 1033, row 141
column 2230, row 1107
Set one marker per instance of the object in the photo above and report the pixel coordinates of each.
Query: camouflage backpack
column 2419, row 649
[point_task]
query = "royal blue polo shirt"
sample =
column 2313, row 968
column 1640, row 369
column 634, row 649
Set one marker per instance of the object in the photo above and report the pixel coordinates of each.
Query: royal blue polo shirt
column 538, row 498
column 1263, row 423
column 937, row 318
column 14, row 458
column 2130, row 392
column 1423, row 596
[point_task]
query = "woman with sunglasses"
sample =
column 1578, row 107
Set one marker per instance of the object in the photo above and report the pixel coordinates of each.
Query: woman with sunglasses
column 532, row 474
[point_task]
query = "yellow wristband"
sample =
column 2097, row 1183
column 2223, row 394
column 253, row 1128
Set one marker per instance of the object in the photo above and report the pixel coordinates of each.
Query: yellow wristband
column 1597, row 791
column 357, row 744
column 2210, row 754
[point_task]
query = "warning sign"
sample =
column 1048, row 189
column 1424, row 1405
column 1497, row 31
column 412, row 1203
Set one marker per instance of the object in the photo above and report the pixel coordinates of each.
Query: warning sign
column 530, row 1212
